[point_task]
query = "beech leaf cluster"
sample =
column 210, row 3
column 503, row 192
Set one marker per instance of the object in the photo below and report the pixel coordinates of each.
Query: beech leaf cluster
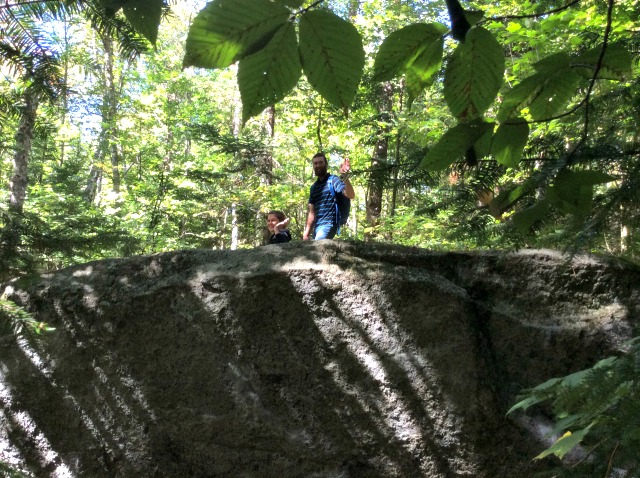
column 273, row 46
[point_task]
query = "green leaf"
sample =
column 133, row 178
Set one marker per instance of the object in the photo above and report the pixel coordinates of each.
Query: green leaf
column 226, row 30
column 474, row 74
column 454, row 144
column 474, row 16
column 291, row 3
column 520, row 96
column 572, row 191
column 545, row 93
column 113, row 5
column 553, row 97
column 526, row 403
column 510, row 195
column 420, row 73
column 267, row 76
column 553, row 63
column 588, row 177
column 332, row 56
column 406, row 46
column 565, row 443
column 616, row 64
column 523, row 220
column 576, row 201
column 607, row 362
column 537, row 394
column 513, row 27
column 566, row 421
column 144, row 17
column 509, row 142
column 576, row 378
column 482, row 147
column 544, row 386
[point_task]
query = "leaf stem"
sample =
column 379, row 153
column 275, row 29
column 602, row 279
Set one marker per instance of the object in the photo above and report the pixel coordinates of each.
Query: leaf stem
column 304, row 10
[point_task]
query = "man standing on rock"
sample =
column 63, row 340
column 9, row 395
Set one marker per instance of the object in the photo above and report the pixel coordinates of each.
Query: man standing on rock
column 321, row 215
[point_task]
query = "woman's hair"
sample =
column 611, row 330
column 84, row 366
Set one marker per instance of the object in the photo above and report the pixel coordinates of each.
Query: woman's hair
column 279, row 214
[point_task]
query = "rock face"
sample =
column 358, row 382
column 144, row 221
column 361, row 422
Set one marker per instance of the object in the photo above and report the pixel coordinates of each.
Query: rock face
column 327, row 359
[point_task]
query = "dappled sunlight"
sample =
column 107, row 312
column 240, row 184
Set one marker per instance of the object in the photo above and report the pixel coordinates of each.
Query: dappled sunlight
column 41, row 361
column 102, row 395
column 298, row 360
column 19, row 424
column 401, row 393
column 83, row 272
column 43, row 364
column 307, row 371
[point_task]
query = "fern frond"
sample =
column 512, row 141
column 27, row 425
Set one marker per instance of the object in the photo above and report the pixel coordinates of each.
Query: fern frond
column 605, row 401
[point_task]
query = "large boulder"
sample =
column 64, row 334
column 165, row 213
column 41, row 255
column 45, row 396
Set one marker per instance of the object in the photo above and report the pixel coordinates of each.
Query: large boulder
column 325, row 359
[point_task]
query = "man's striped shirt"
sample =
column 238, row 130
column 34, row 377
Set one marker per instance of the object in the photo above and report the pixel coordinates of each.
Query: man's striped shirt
column 323, row 201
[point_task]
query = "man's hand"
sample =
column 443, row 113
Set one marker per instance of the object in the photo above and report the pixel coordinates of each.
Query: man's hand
column 311, row 216
column 345, row 167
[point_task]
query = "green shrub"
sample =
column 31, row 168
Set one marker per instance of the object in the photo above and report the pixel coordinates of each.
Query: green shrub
column 597, row 409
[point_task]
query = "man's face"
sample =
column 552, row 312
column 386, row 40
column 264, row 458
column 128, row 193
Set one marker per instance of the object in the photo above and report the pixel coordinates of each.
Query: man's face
column 319, row 166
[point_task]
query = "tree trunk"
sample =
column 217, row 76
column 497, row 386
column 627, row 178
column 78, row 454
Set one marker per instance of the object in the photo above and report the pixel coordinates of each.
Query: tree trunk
column 110, row 108
column 234, row 227
column 379, row 159
column 94, row 183
column 396, row 162
column 625, row 235
column 237, row 125
column 354, row 5
column 376, row 181
column 23, row 138
column 107, row 144
column 19, row 178
column 267, row 159
column 65, row 92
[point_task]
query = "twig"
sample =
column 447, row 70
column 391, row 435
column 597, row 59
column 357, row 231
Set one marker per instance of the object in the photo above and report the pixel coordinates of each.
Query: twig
column 605, row 41
column 611, row 460
column 304, row 10
column 535, row 15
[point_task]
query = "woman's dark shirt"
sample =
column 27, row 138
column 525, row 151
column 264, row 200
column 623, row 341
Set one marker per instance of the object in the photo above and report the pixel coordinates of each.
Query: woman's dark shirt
column 282, row 236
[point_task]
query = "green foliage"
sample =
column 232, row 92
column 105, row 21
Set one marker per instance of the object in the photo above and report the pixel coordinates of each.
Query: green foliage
column 9, row 471
column 615, row 64
column 332, row 56
column 144, row 16
column 14, row 319
column 549, row 71
column 473, row 75
column 454, row 144
column 227, row 30
column 26, row 47
column 509, row 142
column 261, row 36
column 524, row 219
column 571, row 193
column 275, row 69
column 415, row 51
column 540, row 151
column 597, row 409
column 24, row 50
